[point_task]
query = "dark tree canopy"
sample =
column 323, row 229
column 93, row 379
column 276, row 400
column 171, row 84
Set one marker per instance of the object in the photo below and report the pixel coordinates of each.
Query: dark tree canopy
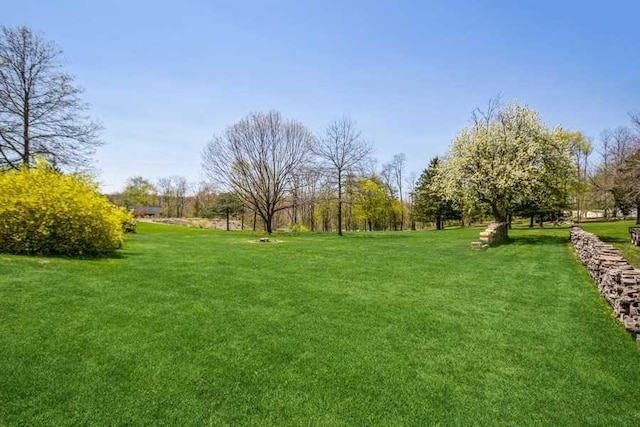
column 429, row 205
column 41, row 113
column 226, row 203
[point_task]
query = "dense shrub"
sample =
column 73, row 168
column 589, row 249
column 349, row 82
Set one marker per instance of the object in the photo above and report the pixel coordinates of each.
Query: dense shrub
column 45, row 212
column 127, row 220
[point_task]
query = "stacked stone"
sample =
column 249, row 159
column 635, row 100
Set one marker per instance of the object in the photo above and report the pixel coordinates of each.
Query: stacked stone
column 494, row 234
column 618, row 281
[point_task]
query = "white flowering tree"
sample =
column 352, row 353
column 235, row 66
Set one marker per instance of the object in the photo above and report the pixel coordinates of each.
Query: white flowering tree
column 506, row 159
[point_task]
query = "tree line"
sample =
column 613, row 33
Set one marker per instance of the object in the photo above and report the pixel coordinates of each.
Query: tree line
column 273, row 170
column 509, row 164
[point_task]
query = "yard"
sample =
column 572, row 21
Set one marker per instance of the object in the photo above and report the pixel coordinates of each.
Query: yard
column 200, row 327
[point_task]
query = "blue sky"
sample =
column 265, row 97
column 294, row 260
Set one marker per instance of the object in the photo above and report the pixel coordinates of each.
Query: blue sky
column 163, row 77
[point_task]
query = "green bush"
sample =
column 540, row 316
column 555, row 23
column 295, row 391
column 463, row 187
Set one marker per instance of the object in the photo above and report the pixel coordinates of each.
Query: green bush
column 298, row 228
column 127, row 219
column 45, row 212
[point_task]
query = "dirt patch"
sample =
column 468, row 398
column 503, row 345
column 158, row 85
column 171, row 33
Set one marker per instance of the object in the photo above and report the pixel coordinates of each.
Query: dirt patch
column 215, row 224
column 265, row 242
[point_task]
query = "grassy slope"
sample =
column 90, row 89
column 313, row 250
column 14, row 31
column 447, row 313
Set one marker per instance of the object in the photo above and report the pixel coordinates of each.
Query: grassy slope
column 193, row 327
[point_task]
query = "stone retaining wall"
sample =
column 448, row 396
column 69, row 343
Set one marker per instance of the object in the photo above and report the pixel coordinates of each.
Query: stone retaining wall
column 494, row 234
column 618, row 281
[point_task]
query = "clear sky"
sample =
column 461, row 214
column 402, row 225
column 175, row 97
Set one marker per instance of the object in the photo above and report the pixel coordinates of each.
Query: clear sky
column 163, row 77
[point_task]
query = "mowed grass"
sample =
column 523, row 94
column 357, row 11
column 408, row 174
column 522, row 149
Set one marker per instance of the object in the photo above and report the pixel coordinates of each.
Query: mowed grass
column 198, row 327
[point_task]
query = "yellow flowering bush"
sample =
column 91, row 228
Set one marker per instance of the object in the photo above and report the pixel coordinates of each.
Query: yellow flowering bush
column 45, row 212
column 298, row 228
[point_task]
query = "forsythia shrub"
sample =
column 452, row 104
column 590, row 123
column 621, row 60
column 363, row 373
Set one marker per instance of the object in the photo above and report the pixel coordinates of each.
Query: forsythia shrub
column 45, row 212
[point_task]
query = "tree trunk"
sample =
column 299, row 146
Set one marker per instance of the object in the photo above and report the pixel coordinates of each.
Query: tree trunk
column 255, row 218
column 312, row 220
column 25, row 132
column 339, row 203
column 401, row 204
column 531, row 221
column 227, row 218
column 267, row 223
column 637, row 211
column 498, row 216
column 541, row 221
column 295, row 209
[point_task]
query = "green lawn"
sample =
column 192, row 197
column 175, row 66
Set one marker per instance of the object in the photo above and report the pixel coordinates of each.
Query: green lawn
column 197, row 327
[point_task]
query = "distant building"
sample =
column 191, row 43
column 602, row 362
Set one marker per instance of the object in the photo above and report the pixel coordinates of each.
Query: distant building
column 142, row 211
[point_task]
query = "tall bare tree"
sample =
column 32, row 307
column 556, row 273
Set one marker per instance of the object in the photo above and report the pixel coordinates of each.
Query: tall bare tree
column 622, row 144
column 398, row 165
column 410, row 182
column 342, row 148
column 257, row 158
column 635, row 121
column 203, row 199
column 387, row 179
column 166, row 194
column 172, row 192
column 182, row 187
column 306, row 184
column 41, row 113
column 602, row 180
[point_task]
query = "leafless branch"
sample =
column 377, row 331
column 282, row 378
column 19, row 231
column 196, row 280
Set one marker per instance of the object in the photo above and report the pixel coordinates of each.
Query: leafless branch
column 41, row 113
column 258, row 158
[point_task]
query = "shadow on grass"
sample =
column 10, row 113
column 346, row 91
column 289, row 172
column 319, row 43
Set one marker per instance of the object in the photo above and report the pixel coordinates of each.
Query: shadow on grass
column 119, row 255
column 538, row 240
column 612, row 239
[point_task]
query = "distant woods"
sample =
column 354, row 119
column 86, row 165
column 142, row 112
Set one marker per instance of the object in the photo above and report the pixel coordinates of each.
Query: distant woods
column 271, row 173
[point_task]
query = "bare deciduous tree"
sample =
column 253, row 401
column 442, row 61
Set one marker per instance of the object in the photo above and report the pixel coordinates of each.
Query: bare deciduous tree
column 611, row 181
column 204, row 199
column 635, row 121
column 166, row 194
column 342, row 148
column 257, row 158
column 173, row 194
column 182, row 187
column 313, row 179
column 398, row 165
column 411, row 185
column 41, row 113
column 306, row 183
